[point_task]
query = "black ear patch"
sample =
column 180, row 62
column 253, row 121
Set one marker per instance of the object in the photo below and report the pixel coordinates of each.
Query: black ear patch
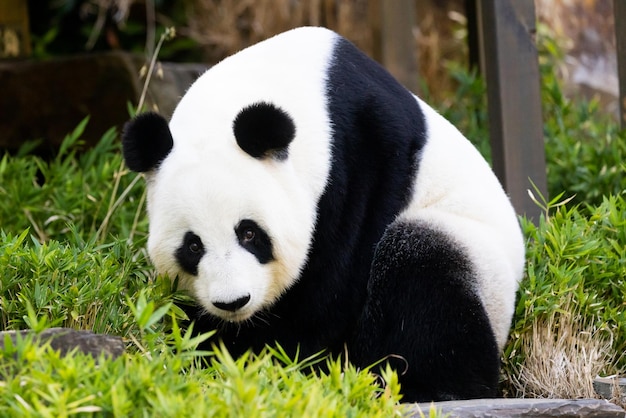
column 146, row 141
column 263, row 129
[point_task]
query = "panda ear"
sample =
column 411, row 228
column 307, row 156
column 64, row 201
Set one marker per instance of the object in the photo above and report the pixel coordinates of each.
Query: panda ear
column 264, row 130
column 146, row 141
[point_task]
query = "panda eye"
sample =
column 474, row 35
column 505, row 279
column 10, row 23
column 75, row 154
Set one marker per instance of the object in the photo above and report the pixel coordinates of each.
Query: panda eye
column 190, row 253
column 255, row 240
column 248, row 235
column 194, row 247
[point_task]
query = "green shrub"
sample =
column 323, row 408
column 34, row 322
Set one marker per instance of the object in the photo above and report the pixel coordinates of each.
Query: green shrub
column 576, row 264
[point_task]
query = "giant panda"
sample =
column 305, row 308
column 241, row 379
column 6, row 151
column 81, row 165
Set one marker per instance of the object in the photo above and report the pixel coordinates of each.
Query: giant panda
column 305, row 198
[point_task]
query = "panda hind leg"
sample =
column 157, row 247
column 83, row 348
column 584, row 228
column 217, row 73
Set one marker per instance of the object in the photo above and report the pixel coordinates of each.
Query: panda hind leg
column 424, row 317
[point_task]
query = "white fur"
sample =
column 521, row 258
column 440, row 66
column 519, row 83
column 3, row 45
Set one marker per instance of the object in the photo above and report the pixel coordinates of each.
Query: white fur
column 208, row 184
column 457, row 192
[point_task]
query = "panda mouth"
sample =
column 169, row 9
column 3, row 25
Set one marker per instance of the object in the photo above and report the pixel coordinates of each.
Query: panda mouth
column 240, row 315
column 236, row 317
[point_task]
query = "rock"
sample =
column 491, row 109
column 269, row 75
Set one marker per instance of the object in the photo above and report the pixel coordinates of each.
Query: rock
column 67, row 339
column 513, row 408
column 165, row 91
column 610, row 387
column 47, row 99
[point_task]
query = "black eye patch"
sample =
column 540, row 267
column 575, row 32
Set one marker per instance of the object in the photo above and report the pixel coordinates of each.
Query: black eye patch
column 190, row 252
column 255, row 240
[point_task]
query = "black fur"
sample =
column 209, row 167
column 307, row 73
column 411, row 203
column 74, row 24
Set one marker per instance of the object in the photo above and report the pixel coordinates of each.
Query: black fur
column 146, row 141
column 378, row 132
column 262, row 129
column 422, row 307
column 190, row 253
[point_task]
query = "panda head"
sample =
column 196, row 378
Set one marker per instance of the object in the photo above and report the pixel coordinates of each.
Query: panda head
column 228, row 217
column 234, row 179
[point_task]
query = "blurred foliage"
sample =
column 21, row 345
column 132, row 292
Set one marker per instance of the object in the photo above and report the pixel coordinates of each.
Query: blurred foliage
column 62, row 27
column 585, row 147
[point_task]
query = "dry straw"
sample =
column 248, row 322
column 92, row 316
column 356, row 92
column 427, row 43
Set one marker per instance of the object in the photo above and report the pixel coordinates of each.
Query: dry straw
column 564, row 353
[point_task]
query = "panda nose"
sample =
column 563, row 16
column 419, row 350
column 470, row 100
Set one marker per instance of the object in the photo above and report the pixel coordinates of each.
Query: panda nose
column 234, row 305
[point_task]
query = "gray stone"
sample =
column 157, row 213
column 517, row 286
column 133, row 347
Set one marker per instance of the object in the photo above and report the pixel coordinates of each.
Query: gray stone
column 166, row 90
column 45, row 100
column 513, row 408
column 67, row 339
column 609, row 387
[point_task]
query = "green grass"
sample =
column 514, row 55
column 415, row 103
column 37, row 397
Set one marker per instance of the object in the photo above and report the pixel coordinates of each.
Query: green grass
column 165, row 382
column 74, row 194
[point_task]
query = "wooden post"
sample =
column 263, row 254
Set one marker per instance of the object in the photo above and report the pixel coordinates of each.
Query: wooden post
column 509, row 62
column 619, row 14
column 397, row 43
column 14, row 30
column 472, row 34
